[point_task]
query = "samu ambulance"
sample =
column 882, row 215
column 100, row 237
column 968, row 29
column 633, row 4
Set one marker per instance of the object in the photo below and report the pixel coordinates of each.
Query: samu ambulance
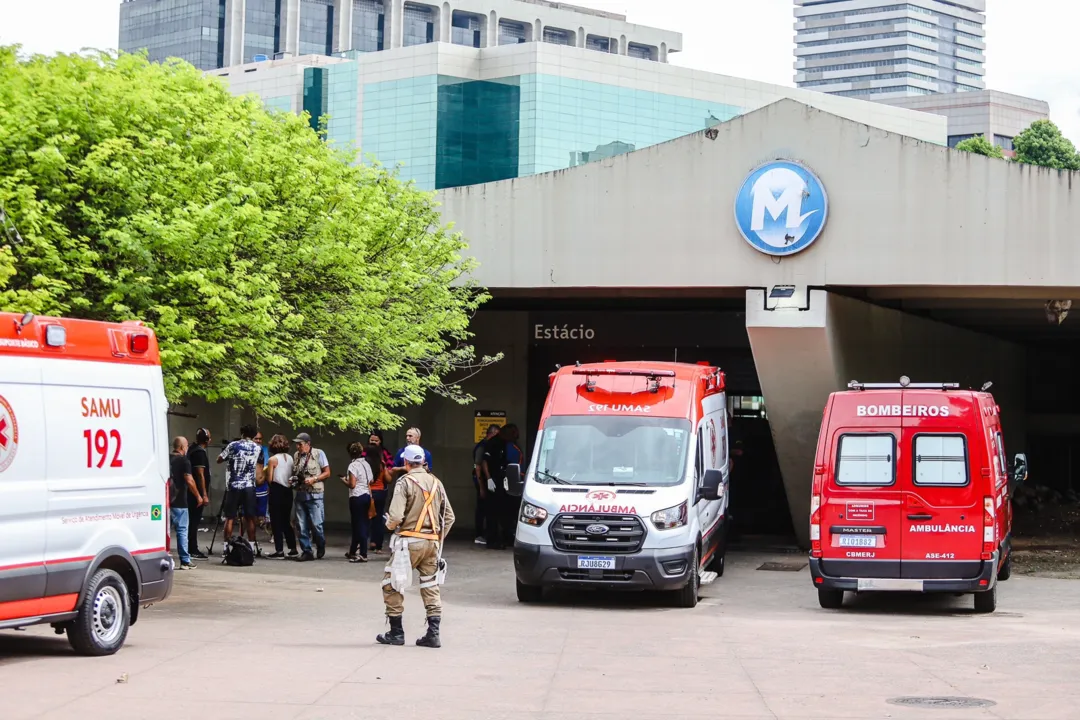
column 84, row 462
column 627, row 486
column 911, row 492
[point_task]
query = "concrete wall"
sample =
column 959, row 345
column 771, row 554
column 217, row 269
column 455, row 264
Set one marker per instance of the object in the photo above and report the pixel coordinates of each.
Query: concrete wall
column 805, row 352
column 446, row 426
column 902, row 212
column 988, row 113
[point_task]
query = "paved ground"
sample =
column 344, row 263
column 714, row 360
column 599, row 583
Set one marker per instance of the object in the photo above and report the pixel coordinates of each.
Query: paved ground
column 283, row 640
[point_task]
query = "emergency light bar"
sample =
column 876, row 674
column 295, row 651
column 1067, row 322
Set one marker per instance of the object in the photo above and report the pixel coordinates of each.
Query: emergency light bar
column 627, row 372
column 856, row 385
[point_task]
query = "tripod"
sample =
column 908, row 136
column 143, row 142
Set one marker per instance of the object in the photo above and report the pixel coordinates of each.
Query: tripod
column 239, row 519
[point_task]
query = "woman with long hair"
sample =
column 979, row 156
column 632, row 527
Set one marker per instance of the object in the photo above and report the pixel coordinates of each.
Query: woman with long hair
column 358, row 479
column 377, row 458
column 278, row 472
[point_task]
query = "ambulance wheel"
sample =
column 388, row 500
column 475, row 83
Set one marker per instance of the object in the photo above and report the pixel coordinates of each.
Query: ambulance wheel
column 830, row 599
column 986, row 602
column 688, row 596
column 1005, row 572
column 529, row 593
column 104, row 616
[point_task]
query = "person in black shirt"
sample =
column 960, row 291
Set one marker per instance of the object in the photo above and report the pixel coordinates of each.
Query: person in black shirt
column 180, row 484
column 494, row 481
column 200, row 470
column 479, row 484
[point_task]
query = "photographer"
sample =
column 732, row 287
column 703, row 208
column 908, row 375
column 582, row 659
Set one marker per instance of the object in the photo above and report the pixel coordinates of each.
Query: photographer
column 310, row 469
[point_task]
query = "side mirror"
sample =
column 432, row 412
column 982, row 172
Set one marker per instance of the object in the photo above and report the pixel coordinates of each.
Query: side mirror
column 711, row 484
column 515, row 485
column 1020, row 470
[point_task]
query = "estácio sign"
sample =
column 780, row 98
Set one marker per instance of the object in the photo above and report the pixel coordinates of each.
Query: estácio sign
column 562, row 332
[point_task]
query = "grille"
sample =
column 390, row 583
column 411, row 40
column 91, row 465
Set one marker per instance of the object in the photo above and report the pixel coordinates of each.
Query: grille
column 606, row 575
column 625, row 534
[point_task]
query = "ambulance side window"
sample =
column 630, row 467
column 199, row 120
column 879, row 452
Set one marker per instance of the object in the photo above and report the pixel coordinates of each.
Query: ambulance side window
column 866, row 460
column 999, row 442
column 941, row 460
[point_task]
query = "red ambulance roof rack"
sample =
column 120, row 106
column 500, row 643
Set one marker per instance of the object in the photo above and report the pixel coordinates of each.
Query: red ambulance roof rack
column 904, row 384
column 654, row 376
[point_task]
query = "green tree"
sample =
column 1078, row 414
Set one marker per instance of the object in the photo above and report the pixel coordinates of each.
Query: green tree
column 277, row 273
column 1043, row 144
column 980, row 146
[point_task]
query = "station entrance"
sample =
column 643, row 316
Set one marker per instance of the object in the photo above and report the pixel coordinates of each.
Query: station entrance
column 759, row 506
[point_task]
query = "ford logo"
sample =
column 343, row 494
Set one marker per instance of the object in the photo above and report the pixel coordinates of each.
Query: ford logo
column 597, row 529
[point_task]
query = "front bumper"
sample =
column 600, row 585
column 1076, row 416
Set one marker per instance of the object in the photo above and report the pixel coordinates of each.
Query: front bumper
column 648, row 569
column 986, row 579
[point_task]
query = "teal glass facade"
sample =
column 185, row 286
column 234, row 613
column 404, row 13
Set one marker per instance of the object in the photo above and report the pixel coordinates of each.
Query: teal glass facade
column 445, row 131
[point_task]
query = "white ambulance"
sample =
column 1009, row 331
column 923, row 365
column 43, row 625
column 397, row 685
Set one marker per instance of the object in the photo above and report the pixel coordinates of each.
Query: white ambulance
column 627, row 489
column 84, row 466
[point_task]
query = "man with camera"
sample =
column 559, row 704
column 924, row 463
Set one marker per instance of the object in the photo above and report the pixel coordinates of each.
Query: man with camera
column 420, row 517
column 310, row 469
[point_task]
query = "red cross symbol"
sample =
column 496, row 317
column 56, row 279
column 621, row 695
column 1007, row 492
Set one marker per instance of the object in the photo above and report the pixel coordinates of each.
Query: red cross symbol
column 3, row 433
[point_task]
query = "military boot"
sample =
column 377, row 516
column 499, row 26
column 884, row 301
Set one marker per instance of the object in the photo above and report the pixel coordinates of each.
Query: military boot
column 431, row 639
column 396, row 635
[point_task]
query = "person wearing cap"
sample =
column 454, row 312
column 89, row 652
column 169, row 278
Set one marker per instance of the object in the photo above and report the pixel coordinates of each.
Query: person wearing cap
column 200, row 468
column 420, row 517
column 310, row 469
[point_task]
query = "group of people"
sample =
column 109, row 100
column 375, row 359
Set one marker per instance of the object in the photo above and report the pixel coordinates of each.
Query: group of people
column 495, row 510
column 283, row 490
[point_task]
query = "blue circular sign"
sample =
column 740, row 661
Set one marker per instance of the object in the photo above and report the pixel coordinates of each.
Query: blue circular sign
column 781, row 208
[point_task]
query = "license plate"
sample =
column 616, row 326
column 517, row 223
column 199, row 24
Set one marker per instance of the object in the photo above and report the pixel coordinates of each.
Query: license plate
column 596, row 563
column 865, row 541
column 890, row 584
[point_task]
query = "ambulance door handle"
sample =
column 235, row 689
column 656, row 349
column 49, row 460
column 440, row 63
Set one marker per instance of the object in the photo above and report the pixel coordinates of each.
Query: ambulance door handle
column 920, row 517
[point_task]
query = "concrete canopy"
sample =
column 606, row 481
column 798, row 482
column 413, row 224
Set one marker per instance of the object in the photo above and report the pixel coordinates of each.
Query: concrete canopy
column 902, row 213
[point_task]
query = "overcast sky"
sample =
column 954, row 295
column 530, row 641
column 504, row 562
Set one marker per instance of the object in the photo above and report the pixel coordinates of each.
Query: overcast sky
column 1030, row 43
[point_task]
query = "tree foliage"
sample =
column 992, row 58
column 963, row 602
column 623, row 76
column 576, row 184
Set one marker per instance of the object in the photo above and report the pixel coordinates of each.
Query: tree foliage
column 1043, row 144
column 980, row 146
column 276, row 273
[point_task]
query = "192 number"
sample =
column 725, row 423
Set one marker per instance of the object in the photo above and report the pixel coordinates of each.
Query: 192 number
column 100, row 443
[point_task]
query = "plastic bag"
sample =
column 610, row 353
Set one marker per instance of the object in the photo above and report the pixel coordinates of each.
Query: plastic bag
column 401, row 571
column 440, row 575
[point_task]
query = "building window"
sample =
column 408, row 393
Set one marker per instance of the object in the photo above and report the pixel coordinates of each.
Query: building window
column 369, row 23
column 262, row 28
column 1004, row 142
column 465, row 29
column 512, row 33
column 555, row 36
column 642, row 52
column 316, row 27
column 600, row 44
column 419, row 25
column 955, row 140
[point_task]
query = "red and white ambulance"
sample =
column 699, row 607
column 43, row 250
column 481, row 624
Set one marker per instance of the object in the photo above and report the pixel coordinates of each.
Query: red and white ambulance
column 911, row 492
column 84, row 462
column 628, row 483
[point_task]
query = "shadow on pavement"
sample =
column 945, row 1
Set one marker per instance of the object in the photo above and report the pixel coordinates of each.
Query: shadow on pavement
column 17, row 646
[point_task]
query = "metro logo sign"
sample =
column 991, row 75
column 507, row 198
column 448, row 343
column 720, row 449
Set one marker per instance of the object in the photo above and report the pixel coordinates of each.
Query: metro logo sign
column 9, row 434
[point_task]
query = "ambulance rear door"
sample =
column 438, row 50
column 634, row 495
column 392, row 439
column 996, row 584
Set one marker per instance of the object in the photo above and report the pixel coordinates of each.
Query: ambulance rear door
column 22, row 491
column 861, row 524
column 943, row 502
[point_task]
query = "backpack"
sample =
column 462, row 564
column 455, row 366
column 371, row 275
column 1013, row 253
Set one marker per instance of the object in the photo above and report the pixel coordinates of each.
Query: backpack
column 239, row 553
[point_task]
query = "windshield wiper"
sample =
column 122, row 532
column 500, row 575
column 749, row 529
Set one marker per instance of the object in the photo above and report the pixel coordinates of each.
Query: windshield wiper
column 553, row 478
column 625, row 484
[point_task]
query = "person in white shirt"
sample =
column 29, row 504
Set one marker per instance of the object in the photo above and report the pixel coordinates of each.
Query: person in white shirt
column 358, row 480
column 278, row 471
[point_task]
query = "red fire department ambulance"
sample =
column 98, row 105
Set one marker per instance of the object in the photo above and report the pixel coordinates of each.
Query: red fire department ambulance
column 84, row 462
column 911, row 491
column 627, row 489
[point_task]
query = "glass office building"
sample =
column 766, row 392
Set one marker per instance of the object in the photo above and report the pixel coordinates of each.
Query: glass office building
column 192, row 30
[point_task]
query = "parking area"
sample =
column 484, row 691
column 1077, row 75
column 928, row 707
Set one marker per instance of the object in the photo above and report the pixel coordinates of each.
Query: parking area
column 287, row 640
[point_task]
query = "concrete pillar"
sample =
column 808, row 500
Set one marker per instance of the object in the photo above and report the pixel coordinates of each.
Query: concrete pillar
column 538, row 30
column 343, row 25
column 814, row 343
column 446, row 22
column 234, row 32
column 394, row 23
column 622, row 45
column 492, row 29
column 580, row 39
column 290, row 27
column 663, row 52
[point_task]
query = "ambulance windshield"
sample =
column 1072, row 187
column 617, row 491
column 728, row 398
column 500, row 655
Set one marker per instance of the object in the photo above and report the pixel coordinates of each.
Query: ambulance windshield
column 612, row 450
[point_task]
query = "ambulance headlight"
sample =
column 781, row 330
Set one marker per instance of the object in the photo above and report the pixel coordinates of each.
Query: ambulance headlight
column 670, row 518
column 532, row 514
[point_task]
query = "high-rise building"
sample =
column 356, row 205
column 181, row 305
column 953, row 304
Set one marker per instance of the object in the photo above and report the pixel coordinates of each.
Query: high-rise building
column 218, row 33
column 875, row 49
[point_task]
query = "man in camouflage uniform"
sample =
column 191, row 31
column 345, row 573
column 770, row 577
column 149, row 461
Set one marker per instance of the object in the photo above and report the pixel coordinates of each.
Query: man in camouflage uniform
column 420, row 517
